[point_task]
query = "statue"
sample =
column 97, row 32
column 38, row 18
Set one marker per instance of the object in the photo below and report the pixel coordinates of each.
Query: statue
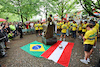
column 48, row 37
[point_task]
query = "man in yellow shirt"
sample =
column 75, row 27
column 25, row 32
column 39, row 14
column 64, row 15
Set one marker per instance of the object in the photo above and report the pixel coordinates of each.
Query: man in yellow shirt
column 89, row 40
column 96, row 27
column 70, row 28
column 58, row 28
column 61, row 23
column 68, row 24
column 80, row 29
column 84, row 28
column 41, row 28
column 36, row 26
column 74, row 27
column 64, row 28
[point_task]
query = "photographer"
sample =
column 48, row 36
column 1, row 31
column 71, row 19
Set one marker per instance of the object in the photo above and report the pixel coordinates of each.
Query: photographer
column 2, row 46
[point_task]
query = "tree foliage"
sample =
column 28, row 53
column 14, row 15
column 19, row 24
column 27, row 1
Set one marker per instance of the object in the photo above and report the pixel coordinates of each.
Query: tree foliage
column 91, row 6
column 59, row 7
column 24, row 8
column 28, row 8
column 64, row 6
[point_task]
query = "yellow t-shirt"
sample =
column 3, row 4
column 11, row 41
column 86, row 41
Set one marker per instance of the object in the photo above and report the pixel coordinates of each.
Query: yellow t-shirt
column 58, row 25
column 97, row 26
column 74, row 27
column 36, row 26
column 84, row 27
column 64, row 27
column 68, row 25
column 80, row 27
column 41, row 26
column 61, row 23
column 71, row 25
column 82, row 24
column 95, row 31
column 90, row 37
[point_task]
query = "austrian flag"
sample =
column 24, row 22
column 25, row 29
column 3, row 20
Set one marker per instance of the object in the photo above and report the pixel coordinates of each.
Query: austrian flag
column 59, row 55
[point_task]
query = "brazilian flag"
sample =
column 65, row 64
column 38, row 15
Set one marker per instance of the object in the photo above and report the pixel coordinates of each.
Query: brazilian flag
column 35, row 48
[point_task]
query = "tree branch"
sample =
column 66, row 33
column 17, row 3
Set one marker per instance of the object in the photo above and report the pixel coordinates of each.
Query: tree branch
column 88, row 11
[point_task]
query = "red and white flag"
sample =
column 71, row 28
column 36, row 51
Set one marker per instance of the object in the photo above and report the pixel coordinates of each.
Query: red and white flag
column 59, row 55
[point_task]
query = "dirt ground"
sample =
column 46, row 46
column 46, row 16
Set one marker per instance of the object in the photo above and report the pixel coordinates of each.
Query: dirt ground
column 19, row 58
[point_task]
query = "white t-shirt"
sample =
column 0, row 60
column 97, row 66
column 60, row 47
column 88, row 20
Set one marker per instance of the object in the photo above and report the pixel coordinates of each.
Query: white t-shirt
column 31, row 24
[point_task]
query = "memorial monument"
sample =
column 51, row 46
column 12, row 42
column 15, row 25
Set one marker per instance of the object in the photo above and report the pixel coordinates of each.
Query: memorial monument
column 49, row 38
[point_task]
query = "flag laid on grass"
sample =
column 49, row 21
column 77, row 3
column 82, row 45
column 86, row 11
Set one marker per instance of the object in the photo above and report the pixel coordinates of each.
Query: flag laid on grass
column 58, row 55
column 35, row 48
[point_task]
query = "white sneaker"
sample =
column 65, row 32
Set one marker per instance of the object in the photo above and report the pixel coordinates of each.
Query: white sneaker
column 88, row 60
column 60, row 39
column 64, row 39
column 94, row 46
column 84, row 61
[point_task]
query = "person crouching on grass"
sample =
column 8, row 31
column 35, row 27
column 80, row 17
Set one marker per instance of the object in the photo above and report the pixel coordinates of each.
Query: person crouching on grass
column 89, row 40
column 64, row 28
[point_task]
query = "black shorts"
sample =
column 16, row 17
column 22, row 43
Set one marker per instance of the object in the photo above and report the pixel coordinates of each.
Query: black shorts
column 63, row 33
column 41, row 31
column 79, row 31
column 58, row 30
column 37, row 31
column 88, row 47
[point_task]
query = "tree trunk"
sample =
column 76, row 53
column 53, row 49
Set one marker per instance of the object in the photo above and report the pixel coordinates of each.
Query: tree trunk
column 26, row 19
column 62, row 11
column 22, row 18
column 46, row 16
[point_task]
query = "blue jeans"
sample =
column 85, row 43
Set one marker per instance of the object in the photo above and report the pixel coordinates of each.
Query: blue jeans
column 67, row 33
column 74, row 34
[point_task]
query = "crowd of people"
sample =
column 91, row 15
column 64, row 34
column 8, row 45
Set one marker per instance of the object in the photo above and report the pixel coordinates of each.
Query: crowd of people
column 7, row 32
column 10, row 30
column 87, row 32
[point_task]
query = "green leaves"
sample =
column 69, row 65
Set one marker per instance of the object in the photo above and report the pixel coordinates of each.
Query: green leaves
column 27, row 8
column 90, row 5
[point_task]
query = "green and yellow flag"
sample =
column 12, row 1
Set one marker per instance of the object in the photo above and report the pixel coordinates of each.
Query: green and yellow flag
column 35, row 48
